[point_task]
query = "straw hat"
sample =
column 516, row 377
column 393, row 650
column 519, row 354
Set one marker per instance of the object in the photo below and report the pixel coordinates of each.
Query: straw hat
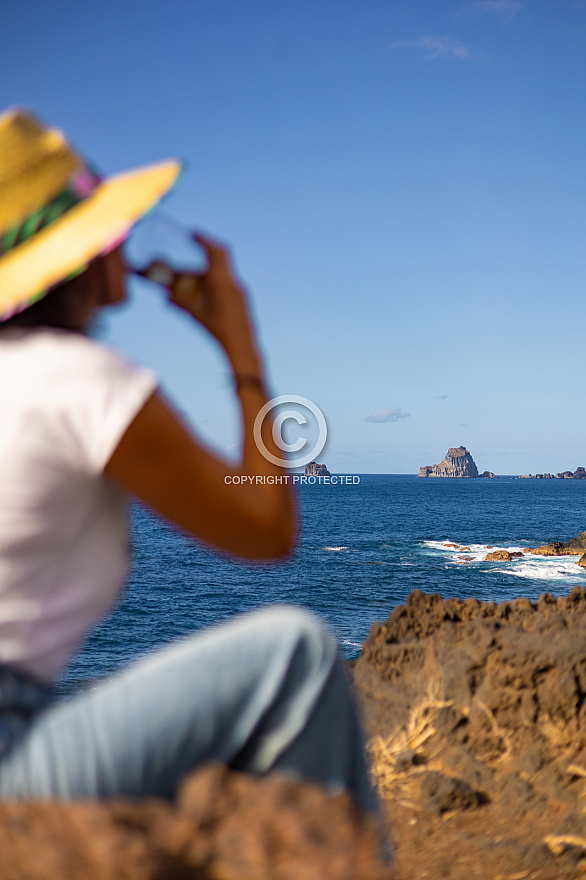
column 56, row 214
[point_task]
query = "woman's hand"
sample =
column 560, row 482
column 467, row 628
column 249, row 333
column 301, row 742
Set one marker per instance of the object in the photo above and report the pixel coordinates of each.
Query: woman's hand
column 218, row 302
column 245, row 508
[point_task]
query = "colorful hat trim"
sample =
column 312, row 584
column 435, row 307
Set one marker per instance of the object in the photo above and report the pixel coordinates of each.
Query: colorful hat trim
column 82, row 184
column 56, row 213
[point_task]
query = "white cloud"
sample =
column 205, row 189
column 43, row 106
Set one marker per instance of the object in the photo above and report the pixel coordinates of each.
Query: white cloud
column 388, row 415
column 436, row 47
column 507, row 9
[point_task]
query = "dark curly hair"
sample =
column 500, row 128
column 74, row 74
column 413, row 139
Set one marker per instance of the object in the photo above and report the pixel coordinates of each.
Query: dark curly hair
column 59, row 308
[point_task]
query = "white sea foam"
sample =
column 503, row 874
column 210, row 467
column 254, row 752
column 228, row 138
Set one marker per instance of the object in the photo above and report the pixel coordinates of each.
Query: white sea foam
column 335, row 549
column 453, row 554
column 438, row 545
column 546, row 568
column 557, row 568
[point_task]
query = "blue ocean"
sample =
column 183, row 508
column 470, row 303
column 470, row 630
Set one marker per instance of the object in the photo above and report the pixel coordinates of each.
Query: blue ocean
column 363, row 549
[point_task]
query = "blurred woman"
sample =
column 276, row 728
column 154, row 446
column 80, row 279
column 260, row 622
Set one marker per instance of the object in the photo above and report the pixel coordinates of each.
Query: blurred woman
column 83, row 431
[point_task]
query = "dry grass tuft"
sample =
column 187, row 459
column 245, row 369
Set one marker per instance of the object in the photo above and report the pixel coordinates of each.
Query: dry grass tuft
column 390, row 775
column 558, row 732
column 559, row 843
column 500, row 733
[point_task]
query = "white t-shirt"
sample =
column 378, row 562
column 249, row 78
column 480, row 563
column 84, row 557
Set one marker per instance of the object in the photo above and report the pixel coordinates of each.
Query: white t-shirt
column 65, row 402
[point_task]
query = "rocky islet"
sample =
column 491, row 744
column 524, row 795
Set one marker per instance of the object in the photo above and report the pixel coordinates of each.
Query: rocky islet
column 458, row 463
column 313, row 469
column 578, row 474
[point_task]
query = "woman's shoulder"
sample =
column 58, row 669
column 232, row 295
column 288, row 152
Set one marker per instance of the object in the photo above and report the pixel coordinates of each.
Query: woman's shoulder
column 51, row 346
column 62, row 361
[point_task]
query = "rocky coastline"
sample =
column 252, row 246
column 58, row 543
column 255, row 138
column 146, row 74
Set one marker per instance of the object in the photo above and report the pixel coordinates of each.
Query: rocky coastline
column 574, row 547
column 578, row 474
column 476, row 722
column 477, row 718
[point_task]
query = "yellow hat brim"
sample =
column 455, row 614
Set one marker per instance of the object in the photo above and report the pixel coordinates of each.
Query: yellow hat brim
column 87, row 230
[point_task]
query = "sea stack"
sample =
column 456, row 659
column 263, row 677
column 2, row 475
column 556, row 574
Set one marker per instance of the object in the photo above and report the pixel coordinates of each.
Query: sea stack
column 457, row 463
column 316, row 470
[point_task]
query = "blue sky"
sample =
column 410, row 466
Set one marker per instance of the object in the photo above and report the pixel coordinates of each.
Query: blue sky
column 404, row 188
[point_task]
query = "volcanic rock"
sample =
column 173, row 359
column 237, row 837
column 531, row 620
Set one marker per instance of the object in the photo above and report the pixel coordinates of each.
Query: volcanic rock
column 457, row 463
column 490, row 703
column 499, row 556
column 226, row 826
column 573, row 547
column 313, row 469
column 442, row 794
column 578, row 474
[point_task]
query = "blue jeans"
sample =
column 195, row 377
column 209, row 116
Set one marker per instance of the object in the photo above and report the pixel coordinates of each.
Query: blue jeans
column 263, row 692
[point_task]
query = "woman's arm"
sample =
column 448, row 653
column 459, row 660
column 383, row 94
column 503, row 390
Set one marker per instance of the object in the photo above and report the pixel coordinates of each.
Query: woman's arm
column 161, row 462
